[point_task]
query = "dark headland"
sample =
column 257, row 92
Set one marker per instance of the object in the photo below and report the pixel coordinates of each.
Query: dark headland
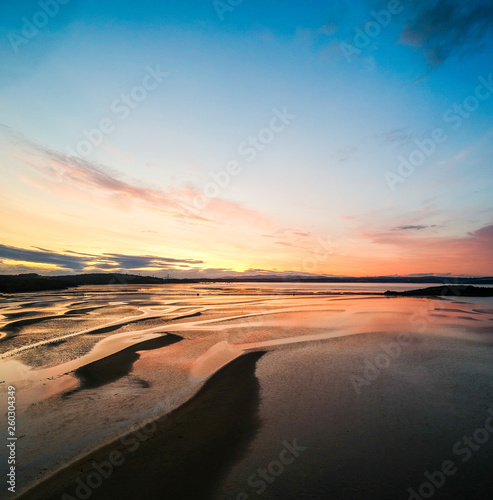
column 446, row 291
column 33, row 282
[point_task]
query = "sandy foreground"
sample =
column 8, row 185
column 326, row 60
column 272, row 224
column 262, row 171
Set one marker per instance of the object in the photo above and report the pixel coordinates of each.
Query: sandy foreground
column 185, row 455
column 251, row 396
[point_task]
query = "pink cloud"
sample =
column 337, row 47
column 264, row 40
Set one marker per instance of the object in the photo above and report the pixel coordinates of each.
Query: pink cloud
column 59, row 173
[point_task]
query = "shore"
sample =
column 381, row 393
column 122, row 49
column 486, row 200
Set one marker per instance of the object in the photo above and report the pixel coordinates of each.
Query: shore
column 376, row 391
column 182, row 456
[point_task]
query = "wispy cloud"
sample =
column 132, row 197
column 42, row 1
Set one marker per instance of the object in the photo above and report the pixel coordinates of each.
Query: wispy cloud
column 398, row 137
column 347, row 153
column 57, row 172
column 58, row 169
column 288, row 237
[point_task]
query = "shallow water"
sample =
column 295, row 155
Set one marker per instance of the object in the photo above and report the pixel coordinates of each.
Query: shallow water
column 314, row 334
column 371, row 440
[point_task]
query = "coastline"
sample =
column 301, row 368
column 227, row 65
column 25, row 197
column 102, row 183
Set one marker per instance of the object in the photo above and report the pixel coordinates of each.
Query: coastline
column 185, row 454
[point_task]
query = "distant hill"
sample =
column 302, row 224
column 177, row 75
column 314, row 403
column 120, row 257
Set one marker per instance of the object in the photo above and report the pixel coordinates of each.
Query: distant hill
column 111, row 279
column 33, row 282
column 22, row 283
column 446, row 291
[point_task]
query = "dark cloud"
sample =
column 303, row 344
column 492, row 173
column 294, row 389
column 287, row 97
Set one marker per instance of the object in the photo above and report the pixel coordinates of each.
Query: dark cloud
column 413, row 228
column 135, row 261
column 449, row 27
column 485, row 233
column 79, row 262
column 439, row 28
column 78, row 253
column 42, row 257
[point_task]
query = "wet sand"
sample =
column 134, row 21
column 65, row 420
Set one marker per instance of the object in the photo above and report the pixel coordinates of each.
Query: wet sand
column 370, row 445
column 370, row 441
column 185, row 456
column 377, row 439
column 116, row 366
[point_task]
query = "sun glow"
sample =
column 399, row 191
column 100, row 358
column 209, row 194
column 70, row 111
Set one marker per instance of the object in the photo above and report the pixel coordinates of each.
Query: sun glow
column 33, row 265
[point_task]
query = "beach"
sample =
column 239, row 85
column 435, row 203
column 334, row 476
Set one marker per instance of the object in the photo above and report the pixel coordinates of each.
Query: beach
column 183, row 455
column 246, row 391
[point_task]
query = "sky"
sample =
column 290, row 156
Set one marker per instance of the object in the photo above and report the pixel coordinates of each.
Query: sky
column 221, row 138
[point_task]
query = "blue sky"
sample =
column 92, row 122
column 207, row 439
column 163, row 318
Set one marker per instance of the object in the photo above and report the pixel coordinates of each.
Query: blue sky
column 331, row 173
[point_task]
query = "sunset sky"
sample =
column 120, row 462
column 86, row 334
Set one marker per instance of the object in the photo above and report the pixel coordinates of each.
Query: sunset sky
column 194, row 138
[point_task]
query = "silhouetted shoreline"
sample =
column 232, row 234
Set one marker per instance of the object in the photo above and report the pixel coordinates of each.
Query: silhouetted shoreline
column 445, row 291
column 23, row 283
